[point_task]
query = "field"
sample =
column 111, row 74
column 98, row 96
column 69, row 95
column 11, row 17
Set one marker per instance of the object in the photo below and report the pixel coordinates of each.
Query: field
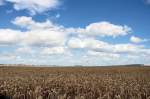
column 75, row 82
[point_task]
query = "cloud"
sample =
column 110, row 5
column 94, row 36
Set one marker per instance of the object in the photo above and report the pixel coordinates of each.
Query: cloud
column 105, row 29
column 32, row 38
column 9, row 36
column 94, row 29
column 30, row 24
column 53, row 51
column 104, row 54
column 91, row 44
column 76, row 43
column 24, row 50
column 34, row 6
column 36, row 33
column 127, row 48
column 40, row 33
column 44, row 38
column 135, row 39
column 44, row 41
column 88, row 43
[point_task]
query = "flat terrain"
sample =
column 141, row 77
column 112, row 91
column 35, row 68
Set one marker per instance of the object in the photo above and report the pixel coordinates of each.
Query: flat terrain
column 75, row 82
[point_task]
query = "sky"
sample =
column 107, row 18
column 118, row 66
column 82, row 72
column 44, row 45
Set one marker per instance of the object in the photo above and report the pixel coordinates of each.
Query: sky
column 75, row 32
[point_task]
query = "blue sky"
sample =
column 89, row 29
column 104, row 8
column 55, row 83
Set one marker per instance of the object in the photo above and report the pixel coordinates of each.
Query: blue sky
column 75, row 32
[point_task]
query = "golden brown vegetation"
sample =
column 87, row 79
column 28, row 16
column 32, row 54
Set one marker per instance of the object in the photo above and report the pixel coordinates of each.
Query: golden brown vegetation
column 75, row 82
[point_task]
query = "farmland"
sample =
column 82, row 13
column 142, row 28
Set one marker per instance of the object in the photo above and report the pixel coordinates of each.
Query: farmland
column 75, row 82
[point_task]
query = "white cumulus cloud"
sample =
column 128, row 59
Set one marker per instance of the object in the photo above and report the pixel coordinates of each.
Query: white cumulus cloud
column 9, row 36
column 37, row 33
column 105, row 29
column 34, row 6
column 29, row 23
column 135, row 39
column 89, row 44
column 46, row 40
column 98, row 46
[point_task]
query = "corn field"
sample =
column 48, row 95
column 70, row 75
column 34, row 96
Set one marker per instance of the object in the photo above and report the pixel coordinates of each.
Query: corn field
column 75, row 82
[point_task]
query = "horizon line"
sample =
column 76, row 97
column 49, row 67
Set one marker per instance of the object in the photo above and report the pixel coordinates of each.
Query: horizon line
column 40, row 65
